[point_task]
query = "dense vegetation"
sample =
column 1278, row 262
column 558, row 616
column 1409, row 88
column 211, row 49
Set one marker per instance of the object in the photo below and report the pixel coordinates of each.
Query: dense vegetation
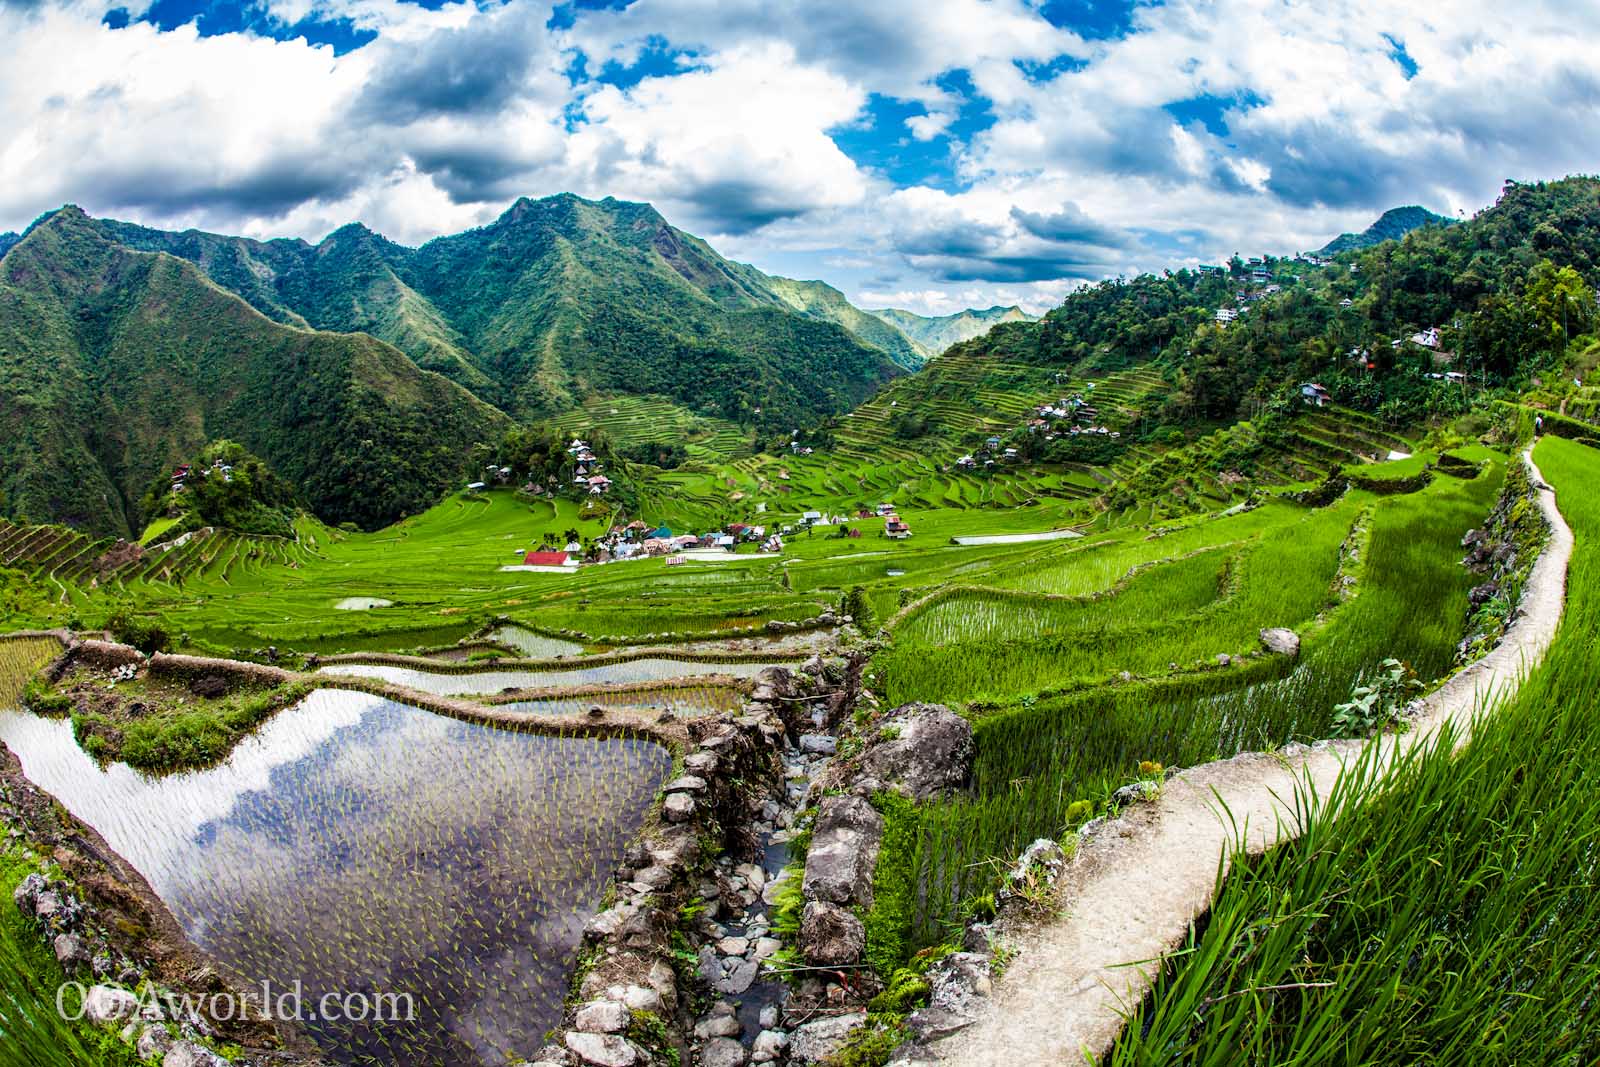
column 1442, row 912
column 118, row 365
column 562, row 299
column 1391, row 226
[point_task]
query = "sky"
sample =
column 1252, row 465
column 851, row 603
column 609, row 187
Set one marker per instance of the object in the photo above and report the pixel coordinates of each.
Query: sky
column 924, row 154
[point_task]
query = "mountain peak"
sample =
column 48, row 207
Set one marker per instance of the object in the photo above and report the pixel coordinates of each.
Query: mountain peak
column 1391, row 226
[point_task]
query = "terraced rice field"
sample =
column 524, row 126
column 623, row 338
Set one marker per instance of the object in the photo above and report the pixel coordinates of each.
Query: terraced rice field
column 480, row 683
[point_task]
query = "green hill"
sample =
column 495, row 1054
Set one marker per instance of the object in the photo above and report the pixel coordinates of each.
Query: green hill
column 934, row 334
column 562, row 300
column 1391, row 226
column 7, row 241
column 118, row 364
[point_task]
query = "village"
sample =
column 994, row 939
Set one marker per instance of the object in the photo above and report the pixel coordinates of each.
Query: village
column 638, row 540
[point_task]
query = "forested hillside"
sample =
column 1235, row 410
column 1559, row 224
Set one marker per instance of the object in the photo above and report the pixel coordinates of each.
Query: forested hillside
column 1391, row 226
column 1502, row 290
column 563, row 299
column 933, row 334
column 117, row 365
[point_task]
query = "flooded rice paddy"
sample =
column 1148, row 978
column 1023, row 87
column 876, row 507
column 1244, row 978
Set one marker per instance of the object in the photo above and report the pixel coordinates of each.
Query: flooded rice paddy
column 685, row 702
column 356, row 845
column 479, row 683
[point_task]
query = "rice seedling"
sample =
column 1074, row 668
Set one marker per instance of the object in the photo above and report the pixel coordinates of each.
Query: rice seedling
column 632, row 671
column 360, row 846
column 1443, row 912
column 1036, row 761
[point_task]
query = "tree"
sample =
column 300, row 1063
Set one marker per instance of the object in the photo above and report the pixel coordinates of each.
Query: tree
column 1559, row 302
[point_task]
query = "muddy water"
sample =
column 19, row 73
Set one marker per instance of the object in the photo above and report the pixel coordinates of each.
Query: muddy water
column 356, row 845
column 493, row 681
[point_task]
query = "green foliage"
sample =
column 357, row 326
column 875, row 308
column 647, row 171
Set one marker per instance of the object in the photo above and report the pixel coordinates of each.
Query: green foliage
column 146, row 634
column 1394, row 930
column 856, row 605
column 1379, row 702
column 35, row 1033
column 894, row 886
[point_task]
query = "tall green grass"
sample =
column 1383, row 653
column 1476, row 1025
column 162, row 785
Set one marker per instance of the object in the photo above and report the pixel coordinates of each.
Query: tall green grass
column 1034, row 762
column 1445, row 912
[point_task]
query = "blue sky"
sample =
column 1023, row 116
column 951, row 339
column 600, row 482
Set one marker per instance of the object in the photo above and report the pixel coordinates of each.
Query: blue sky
column 931, row 155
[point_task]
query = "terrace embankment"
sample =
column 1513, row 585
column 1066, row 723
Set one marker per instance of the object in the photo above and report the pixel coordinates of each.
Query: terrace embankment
column 1136, row 883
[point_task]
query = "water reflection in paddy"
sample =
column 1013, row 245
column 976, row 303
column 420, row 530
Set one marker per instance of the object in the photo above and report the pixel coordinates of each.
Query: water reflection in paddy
column 685, row 701
column 493, row 681
column 358, row 845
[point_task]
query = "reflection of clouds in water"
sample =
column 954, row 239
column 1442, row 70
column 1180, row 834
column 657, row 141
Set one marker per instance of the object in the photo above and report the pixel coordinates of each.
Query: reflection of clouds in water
column 648, row 669
column 402, row 851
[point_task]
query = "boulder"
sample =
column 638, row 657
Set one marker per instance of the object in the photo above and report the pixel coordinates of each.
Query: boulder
column 678, row 807
column 844, row 851
column 154, row 1042
column 830, row 935
column 1283, row 641
column 603, row 1050
column 924, row 751
column 71, row 952
column 818, row 744
column 104, row 1004
column 189, row 1054
column 688, row 783
column 741, row 976
column 722, row 1052
column 716, row 1025
column 26, row 895
column 603, row 1017
column 769, row 1045
column 816, row 1041
column 643, row 998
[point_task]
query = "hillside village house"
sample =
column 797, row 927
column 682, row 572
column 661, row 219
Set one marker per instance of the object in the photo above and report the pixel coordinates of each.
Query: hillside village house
column 895, row 528
column 1316, row 394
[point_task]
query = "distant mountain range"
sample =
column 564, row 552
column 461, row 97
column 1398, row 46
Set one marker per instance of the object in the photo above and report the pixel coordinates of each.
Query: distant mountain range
column 933, row 334
column 1391, row 226
column 363, row 370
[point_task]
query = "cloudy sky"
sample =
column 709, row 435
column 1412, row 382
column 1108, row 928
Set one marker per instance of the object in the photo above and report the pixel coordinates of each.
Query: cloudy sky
column 929, row 154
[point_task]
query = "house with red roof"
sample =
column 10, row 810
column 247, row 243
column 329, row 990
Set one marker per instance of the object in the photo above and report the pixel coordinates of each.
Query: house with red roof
column 539, row 558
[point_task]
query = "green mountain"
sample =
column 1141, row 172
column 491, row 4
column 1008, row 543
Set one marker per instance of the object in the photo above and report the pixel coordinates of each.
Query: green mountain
column 934, row 334
column 819, row 300
column 116, row 364
column 1391, row 226
column 562, row 300
column 7, row 240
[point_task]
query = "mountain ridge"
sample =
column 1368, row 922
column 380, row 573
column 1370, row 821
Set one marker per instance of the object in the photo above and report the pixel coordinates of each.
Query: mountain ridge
column 1390, row 226
column 936, row 333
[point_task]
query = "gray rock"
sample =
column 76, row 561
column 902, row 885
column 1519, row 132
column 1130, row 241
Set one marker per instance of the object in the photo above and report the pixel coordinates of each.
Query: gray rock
column 26, row 895
column 722, row 1052
column 740, row 977
column 71, row 952
column 769, row 1018
column 716, row 1025
column 1280, row 640
column 678, row 807
column 926, row 755
column 816, row 1041
column 689, row 783
column 766, row 946
column 1223, row 659
column 190, row 1054
column 769, row 1044
column 701, row 764
column 710, row 967
column 733, row 946
column 844, row 851
column 603, row 1017
column 654, row 877
column 47, row 905
column 643, row 998
column 830, row 935
column 107, row 1004
column 603, row 1050
column 818, row 744
column 154, row 1041
column 665, row 983
column 769, row 892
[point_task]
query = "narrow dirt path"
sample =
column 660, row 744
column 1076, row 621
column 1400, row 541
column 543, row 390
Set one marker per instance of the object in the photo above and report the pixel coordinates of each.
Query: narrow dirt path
column 1133, row 889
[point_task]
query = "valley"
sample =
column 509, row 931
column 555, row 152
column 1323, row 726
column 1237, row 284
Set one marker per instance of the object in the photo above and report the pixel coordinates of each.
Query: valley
column 813, row 697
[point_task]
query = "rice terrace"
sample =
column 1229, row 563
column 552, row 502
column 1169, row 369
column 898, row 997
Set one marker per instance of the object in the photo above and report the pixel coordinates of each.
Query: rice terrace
column 526, row 637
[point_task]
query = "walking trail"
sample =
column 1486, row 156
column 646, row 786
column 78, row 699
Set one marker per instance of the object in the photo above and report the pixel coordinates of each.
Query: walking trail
column 1133, row 889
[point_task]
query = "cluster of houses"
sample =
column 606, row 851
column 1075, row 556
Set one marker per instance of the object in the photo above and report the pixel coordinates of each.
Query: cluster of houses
column 586, row 468
column 184, row 471
column 640, row 540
